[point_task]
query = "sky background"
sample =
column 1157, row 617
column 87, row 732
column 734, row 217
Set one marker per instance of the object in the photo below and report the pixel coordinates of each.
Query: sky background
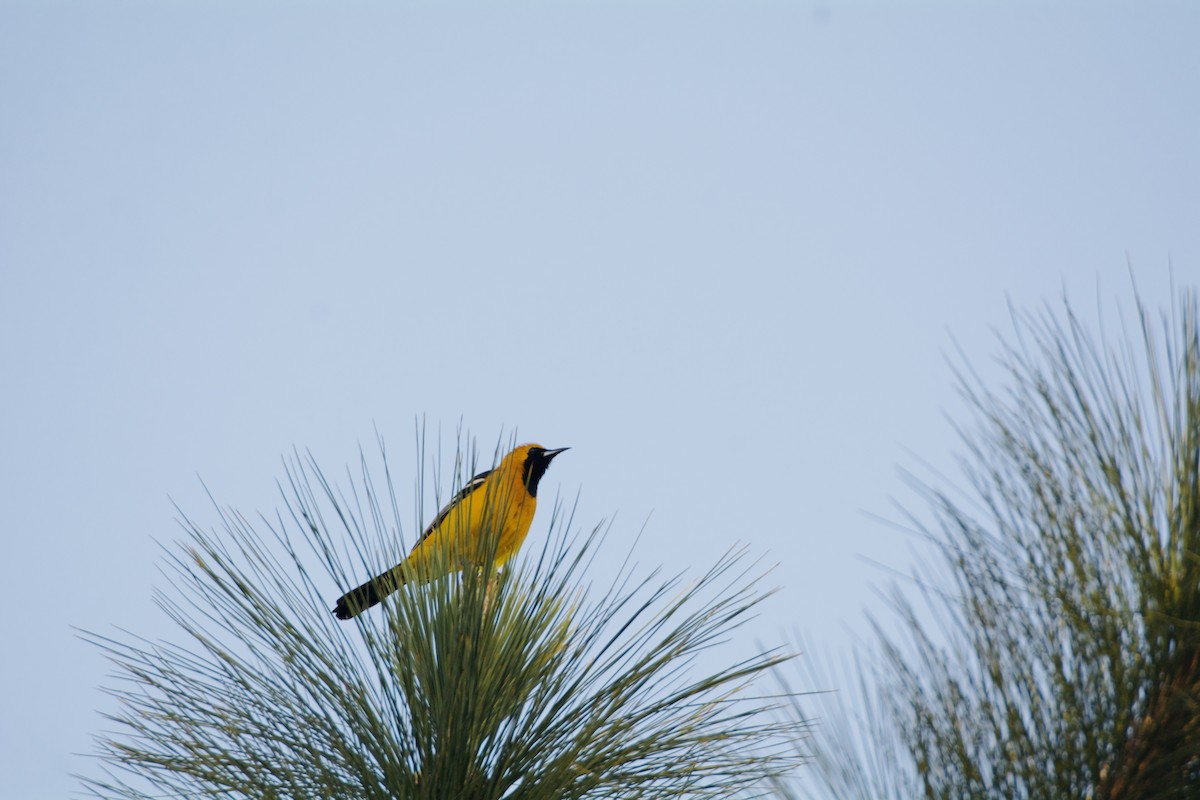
column 722, row 250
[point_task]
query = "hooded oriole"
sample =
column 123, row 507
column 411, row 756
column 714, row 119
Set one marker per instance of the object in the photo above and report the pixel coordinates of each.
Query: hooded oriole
column 501, row 501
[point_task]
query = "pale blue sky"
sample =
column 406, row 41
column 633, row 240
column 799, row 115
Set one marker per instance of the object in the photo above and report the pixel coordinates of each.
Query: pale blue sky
column 720, row 249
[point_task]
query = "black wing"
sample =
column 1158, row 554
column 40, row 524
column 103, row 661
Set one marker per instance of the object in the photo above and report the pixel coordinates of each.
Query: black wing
column 470, row 486
column 373, row 591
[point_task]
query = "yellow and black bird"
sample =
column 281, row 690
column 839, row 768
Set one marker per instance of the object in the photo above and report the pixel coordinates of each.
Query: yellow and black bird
column 501, row 500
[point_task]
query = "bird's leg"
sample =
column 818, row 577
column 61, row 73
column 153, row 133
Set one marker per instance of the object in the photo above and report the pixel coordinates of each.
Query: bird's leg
column 489, row 591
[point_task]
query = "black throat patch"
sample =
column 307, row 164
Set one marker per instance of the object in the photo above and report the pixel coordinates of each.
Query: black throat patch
column 535, row 467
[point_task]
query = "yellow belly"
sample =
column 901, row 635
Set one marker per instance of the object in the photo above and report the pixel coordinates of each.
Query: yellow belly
column 462, row 536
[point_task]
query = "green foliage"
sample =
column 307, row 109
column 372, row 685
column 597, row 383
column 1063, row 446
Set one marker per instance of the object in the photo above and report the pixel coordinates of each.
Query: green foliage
column 1053, row 646
column 524, row 683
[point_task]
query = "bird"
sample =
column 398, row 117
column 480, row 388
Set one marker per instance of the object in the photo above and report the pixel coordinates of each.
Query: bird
column 501, row 499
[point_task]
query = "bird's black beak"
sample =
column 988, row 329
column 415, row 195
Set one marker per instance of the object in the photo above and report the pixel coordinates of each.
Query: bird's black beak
column 549, row 454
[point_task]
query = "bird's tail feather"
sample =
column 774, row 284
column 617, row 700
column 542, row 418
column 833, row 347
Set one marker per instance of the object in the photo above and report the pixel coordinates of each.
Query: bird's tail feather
column 371, row 593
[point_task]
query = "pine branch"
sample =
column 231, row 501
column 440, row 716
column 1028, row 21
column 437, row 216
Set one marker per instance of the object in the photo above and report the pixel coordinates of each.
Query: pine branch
column 524, row 683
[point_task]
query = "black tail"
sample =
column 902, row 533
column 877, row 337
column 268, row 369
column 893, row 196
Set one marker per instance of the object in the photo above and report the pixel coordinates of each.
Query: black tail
column 371, row 593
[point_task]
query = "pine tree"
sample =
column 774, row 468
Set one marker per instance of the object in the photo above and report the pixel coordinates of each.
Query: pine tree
column 522, row 683
column 1051, row 645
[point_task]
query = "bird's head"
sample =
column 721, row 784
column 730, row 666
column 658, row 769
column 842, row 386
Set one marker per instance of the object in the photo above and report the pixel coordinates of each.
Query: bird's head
column 536, row 460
